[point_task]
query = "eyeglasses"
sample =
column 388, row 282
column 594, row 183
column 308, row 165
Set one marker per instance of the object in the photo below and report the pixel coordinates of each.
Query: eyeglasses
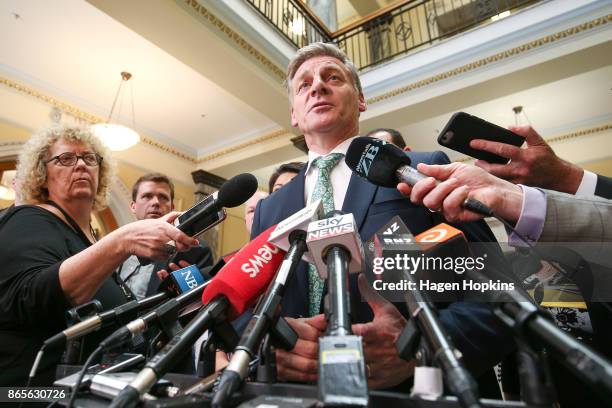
column 70, row 159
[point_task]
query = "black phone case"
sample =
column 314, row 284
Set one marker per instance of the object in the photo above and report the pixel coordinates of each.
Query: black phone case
column 463, row 127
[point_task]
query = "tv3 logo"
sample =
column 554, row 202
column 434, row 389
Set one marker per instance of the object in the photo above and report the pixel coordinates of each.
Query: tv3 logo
column 366, row 160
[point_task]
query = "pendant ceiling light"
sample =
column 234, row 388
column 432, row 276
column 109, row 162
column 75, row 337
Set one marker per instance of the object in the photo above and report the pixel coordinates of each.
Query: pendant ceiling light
column 115, row 136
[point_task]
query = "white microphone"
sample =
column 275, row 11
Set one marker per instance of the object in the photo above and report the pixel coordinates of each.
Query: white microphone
column 338, row 231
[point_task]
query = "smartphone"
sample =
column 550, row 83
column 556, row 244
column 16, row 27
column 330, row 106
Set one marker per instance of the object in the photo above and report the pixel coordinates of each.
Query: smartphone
column 463, row 127
column 201, row 217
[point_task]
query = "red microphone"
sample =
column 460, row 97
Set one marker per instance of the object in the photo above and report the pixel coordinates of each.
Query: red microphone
column 247, row 275
column 233, row 289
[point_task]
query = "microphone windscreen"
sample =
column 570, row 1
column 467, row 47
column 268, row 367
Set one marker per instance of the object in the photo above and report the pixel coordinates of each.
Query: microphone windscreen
column 236, row 190
column 376, row 160
column 247, row 275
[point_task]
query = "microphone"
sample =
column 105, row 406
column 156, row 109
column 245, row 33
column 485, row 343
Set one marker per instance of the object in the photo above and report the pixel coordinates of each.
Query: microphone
column 228, row 295
column 385, row 164
column 204, row 214
column 290, row 236
column 186, row 286
column 336, row 248
column 518, row 311
column 444, row 352
column 210, row 211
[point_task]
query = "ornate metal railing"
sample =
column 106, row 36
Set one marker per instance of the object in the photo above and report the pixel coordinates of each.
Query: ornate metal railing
column 383, row 35
column 298, row 24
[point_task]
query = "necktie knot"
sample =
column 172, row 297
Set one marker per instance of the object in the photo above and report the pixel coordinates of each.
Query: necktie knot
column 325, row 163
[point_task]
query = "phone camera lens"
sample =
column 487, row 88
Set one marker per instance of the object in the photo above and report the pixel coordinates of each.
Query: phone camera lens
column 448, row 136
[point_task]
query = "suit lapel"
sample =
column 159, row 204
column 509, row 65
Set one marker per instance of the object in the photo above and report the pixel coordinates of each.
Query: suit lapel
column 294, row 192
column 359, row 197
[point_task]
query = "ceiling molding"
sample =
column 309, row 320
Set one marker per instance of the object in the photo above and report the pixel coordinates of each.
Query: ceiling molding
column 242, row 145
column 88, row 117
column 512, row 52
column 561, row 138
column 236, row 38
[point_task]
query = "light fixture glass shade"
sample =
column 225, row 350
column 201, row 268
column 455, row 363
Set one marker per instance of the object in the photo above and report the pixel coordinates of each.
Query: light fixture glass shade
column 115, row 137
column 7, row 193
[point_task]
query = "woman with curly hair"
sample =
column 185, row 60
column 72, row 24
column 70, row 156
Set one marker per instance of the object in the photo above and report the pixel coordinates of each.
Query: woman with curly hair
column 51, row 260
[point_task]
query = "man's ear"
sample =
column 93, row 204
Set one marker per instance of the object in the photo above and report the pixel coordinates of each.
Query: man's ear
column 294, row 121
column 362, row 103
column 133, row 207
column 172, row 205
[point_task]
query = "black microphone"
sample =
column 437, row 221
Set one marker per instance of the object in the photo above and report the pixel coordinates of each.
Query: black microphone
column 336, row 248
column 210, row 211
column 185, row 286
column 460, row 382
column 519, row 312
column 290, row 236
column 204, row 214
column 229, row 294
column 385, row 164
column 163, row 361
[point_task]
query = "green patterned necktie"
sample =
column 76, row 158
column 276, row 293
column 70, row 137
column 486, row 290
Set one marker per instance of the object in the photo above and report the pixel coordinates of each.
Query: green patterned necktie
column 323, row 190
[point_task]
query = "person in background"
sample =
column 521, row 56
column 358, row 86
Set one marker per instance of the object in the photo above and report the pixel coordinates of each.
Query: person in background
column 283, row 174
column 249, row 208
column 390, row 135
column 152, row 198
column 51, row 259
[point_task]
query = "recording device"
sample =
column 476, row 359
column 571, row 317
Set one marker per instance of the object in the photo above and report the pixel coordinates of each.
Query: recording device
column 211, row 210
column 385, row 164
column 423, row 312
column 290, row 236
column 341, row 231
column 298, row 221
column 235, row 288
column 337, row 250
column 247, row 274
column 518, row 311
column 463, row 128
column 183, row 280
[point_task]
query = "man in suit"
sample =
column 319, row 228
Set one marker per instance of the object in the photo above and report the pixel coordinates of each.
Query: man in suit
column 326, row 99
column 153, row 197
column 537, row 165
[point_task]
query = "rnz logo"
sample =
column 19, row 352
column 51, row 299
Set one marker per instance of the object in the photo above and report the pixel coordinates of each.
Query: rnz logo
column 253, row 265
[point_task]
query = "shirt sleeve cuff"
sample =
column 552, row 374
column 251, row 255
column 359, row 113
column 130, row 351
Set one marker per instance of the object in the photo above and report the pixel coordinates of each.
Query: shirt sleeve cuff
column 587, row 185
column 533, row 214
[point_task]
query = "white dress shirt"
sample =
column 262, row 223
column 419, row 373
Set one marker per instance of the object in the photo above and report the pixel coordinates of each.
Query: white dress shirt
column 339, row 176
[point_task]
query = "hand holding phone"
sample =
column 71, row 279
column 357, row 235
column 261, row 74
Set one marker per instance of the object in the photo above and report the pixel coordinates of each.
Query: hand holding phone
column 462, row 128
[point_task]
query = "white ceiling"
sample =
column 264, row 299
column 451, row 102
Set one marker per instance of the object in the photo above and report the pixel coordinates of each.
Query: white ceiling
column 72, row 51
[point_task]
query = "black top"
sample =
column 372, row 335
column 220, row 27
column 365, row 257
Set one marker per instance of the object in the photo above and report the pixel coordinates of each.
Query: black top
column 32, row 304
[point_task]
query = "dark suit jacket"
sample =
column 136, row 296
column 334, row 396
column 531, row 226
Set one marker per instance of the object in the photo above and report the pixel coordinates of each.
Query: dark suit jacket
column 604, row 187
column 474, row 329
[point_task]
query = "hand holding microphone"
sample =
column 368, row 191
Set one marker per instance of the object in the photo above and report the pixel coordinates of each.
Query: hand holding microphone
column 386, row 165
column 449, row 186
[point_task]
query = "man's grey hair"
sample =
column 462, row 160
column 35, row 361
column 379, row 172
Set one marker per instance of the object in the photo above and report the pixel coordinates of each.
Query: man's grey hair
column 320, row 49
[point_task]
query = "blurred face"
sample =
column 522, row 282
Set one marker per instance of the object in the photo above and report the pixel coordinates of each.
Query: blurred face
column 249, row 209
column 152, row 201
column 382, row 135
column 283, row 179
column 72, row 182
column 325, row 99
